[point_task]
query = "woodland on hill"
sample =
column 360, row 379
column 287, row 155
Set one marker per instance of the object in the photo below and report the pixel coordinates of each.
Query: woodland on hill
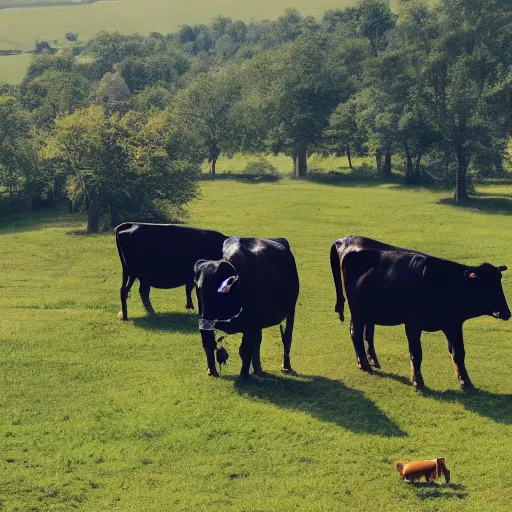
column 120, row 124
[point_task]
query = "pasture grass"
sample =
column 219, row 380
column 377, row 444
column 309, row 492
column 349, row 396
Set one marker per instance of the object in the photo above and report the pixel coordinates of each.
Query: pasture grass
column 14, row 67
column 98, row 414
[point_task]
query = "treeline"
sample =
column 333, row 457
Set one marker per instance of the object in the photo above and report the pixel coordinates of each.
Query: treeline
column 119, row 125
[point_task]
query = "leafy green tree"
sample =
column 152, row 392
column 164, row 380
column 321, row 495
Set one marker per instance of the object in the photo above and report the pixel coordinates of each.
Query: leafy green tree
column 90, row 144
column 343, row 135
column 55, row 93
column 466, row 67
column 373, row 20
column 112, row 93
column 17, row 148
column 204, row 108
column 290, row 93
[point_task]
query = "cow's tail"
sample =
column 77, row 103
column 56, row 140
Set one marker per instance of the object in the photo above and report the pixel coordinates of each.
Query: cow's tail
column 118, row 231
column 338, row 284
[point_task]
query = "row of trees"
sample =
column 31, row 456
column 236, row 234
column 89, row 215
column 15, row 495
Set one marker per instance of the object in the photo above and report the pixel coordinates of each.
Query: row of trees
column 120, row 124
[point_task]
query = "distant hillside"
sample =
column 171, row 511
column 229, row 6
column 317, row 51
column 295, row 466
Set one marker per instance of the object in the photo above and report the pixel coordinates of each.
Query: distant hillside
column 10, row 4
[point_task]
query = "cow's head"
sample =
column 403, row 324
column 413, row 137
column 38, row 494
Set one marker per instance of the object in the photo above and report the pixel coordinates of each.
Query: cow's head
column 217, row 284
column 485, row 285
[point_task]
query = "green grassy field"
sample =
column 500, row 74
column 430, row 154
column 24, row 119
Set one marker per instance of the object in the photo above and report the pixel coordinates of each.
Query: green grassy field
column 19, row 28
column 98, row 414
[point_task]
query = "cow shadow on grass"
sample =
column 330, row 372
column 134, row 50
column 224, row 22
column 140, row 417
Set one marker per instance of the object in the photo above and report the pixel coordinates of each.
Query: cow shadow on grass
column 168, row 322
column 495, row 406
column 427, row 491
column 325, row 399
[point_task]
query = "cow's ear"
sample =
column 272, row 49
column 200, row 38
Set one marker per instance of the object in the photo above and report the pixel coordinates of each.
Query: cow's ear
column 470, row 274
column 503, row 268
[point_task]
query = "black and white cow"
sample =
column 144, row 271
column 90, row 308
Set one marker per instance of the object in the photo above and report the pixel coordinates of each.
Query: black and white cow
column 386, row 285
column 255, row 285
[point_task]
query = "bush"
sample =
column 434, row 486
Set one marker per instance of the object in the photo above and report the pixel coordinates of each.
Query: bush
column 261, row 170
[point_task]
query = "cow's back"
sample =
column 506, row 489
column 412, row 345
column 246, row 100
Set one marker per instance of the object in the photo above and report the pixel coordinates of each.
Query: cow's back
column 384, row 287
column 269, row 282
column 164, row 254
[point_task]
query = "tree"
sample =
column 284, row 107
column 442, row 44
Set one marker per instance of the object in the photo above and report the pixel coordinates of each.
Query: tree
column 90, row 144
column 17, row 147
column 112, row 93
column 343, row 134
column 204, row 108
column 289, row 94
column 464, row 71
column 55, row 93
column 373, row 20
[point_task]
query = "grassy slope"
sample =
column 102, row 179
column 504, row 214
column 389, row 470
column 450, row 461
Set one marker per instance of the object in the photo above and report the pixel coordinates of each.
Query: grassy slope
column 21, row 27
column 102, row 415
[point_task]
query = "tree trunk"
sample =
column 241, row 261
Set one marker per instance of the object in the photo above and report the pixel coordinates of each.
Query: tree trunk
column 417, row 167
column 386, row 168
column 302, row 161
column 408, row 170
column 214, row 163
column 461, row 191
column 93, row 221
column 349, row 158
column 378, row 160
column 295, row 169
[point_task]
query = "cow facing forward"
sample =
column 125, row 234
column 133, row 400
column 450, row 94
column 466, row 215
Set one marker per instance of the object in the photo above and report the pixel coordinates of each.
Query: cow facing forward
column 162, row 256
column 392, row 287
column 254, row 286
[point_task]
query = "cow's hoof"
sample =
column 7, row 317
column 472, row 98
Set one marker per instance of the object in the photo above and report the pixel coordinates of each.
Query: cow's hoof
column 258, row 371
column 121, row 317
column 467, row 385
column 213, row 374
column 418, row 383
column 374, row 362
column 288, row 371
column 189, row 306
column 365, row 368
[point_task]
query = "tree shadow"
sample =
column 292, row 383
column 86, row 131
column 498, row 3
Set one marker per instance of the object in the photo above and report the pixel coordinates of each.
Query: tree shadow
column 497, row 407
column 484, row 203
column 325, row 399
column 427, row 491
column 42, row 219
column 342, row 179
column 168, row 322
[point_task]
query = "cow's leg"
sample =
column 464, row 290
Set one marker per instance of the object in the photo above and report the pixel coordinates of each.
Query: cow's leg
column 256, row 361
column 414, row 338
column 456, row 348
column 356, row 332
column 209, row 345
column 125, row 290
column 286, row 338
column 144, row 295
column 188, row 292
column 369, row 334
column 246, row 351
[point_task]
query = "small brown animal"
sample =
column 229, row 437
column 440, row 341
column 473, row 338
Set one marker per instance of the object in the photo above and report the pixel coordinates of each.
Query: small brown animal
column 414, row 470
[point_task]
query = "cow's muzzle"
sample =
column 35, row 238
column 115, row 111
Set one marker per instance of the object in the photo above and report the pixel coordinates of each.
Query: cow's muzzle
column 502, row 315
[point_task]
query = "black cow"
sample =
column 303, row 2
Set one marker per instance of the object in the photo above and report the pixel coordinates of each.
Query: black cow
column 162, row 256
column 352, row 243
column 386, row 285
column 254, row 286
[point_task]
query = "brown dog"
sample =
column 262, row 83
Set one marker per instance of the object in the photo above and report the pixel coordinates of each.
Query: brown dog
column 414, row 470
